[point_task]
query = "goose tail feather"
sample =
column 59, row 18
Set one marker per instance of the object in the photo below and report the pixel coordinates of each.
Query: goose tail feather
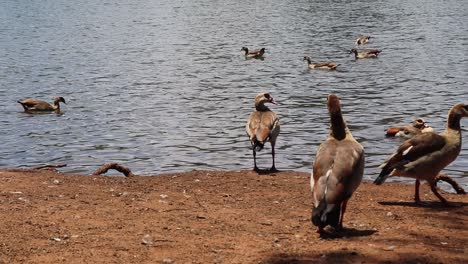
column 326, row 214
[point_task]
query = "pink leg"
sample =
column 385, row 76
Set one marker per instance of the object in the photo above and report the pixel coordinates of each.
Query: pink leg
column 416, row 191
column 255, row 158
column 273, row 168
column 343, row 209
column 319, row 230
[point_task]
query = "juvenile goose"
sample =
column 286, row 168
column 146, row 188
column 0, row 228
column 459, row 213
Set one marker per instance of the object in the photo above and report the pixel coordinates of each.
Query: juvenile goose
column 263, row 126
column 425, row 155
column 365, row 54
column 257, row 54
column 337, row 171
column 32, row 105
column 418, row 126
column 321, row 65
column 361, row 40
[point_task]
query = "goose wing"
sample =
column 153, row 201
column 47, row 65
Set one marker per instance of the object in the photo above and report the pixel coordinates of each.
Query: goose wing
column 413, row 150
column 337, row 170
column 32, row 104
column 253, row 123
column 29, row 102
column 326, row 65
column 374, row 51
column 263, row 126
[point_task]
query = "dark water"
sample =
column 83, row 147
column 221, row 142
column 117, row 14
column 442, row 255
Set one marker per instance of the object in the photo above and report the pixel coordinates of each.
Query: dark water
column 162, row 86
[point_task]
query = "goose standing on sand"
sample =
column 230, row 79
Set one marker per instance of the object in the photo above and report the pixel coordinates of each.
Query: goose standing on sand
column 32, row 105
column 337, row 171
column 257, row 54
column 321, row 65
column 263, row 126
column 418, row 126
column 366, row 54
column 425, row 155
column 361, row 40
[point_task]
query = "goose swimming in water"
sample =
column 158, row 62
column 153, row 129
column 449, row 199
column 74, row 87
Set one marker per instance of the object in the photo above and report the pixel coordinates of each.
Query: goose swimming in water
column 418, row 126
column 321, row 65
column 361, row 40
column 32, row 105
column 374, row 53
column 257, row 54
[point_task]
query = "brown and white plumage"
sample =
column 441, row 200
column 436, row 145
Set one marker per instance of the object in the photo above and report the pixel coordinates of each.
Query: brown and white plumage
column 337, row 171
column 365, row 54
column 32, row 105
column 417, row 127
column 425, row 155
column 361, row 40
column 263, row 126
column 257, row 54
column 320, row 65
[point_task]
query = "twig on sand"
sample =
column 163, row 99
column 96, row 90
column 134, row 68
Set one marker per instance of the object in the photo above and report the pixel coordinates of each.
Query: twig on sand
column 449, row 180
column 49, row 167
column 104, row 168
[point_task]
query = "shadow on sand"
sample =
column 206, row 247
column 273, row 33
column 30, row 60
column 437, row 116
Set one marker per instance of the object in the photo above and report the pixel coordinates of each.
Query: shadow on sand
column 347, row 232
column 434, row 205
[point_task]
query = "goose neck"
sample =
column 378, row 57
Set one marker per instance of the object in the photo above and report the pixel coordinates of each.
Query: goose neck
column 338, row 128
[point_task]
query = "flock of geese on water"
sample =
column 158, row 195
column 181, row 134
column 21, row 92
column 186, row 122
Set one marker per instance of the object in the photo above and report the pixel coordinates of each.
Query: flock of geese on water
column 363, row 54
column 33, row 105
column 339, row 162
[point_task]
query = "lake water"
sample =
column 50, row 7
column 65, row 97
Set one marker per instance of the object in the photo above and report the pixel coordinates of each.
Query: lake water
column 162, row 86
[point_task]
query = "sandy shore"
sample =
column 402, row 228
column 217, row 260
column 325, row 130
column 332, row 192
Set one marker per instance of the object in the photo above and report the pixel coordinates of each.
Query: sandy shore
column 217, row 217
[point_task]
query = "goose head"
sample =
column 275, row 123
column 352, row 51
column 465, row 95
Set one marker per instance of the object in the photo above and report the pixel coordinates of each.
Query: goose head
column 460, row 110
column 456, row 113
column 419, row 123
column 59, row 99
column 353, row 51
column 333, row 103
column 263, row 98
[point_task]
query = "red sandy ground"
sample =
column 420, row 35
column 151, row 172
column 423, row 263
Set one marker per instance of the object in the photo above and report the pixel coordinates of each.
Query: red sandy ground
column 217, row 217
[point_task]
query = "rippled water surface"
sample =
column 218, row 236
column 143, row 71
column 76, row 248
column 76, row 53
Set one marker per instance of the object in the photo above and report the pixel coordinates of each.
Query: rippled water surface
column 162, row 86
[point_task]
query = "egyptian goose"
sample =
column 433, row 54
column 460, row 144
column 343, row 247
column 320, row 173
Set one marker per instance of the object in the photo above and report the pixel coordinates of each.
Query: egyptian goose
column 337, row 171
column 365, row 54
column 257, row 54
column 361, row 40
column 418, row 126
column 32, row 105
column 425, row 155
column 263, row 126
column 321, row 65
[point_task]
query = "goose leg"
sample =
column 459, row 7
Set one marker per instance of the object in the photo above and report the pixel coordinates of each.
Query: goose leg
column 343, row 209
column 416, row 191
column 273, row 168
column 434, row 190
column 255, row 159
column 319, row 230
